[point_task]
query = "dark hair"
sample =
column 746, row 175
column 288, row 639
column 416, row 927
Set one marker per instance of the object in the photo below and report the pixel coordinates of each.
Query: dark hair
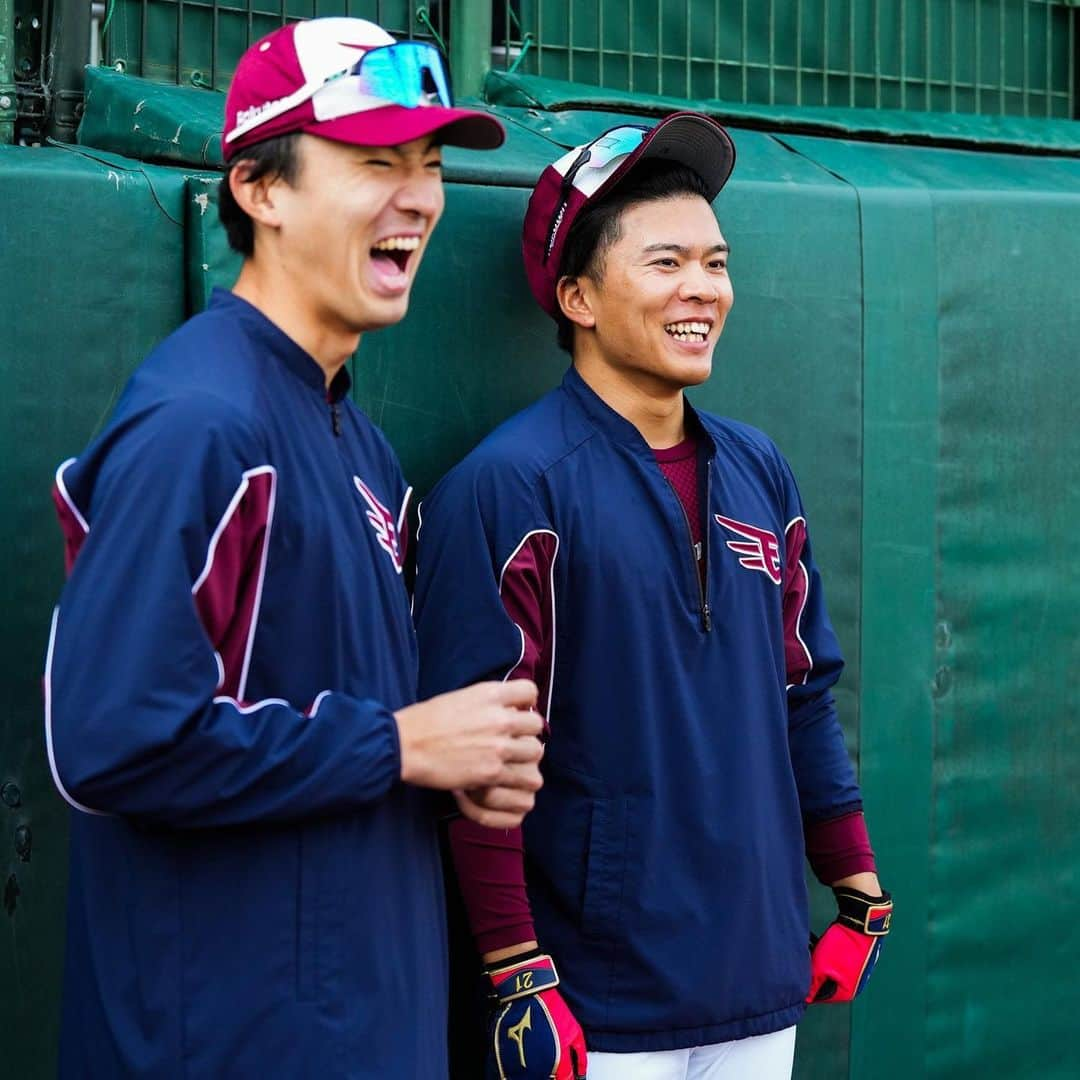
column 273, row 157
column 598, row 226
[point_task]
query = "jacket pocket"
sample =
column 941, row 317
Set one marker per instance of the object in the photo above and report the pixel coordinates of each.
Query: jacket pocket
column 576, row 845
column 606, row 870
column 319, row 912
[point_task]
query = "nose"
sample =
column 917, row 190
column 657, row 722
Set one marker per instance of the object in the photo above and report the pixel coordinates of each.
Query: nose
column 697, row 284
column 421, row 194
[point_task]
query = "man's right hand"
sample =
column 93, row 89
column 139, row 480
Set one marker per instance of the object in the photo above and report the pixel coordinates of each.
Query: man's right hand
column 482, row 743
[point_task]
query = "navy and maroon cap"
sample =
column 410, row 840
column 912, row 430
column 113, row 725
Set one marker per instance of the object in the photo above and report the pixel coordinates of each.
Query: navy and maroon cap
column 589, row 172
column 347, row 80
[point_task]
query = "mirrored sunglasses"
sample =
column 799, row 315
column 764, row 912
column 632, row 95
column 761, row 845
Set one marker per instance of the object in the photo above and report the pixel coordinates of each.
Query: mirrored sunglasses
column 407, row 73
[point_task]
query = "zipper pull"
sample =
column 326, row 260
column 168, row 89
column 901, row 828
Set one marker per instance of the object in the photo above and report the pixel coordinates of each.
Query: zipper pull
column 335, row 418
column 706, row 616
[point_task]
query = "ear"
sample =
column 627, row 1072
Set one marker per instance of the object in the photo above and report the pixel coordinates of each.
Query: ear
column 573, row 296
column 257, row 198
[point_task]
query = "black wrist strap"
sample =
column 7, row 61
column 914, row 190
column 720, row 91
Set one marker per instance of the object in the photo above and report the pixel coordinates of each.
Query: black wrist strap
column 871, row 915
column 513, row 961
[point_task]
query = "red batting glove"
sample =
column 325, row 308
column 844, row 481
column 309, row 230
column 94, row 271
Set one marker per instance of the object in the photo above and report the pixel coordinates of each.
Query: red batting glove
column 845, row 955
column 534, row 1036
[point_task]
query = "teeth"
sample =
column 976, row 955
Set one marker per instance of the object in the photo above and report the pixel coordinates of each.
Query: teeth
column 398, row 243
column 688, row 331
column 683, row 329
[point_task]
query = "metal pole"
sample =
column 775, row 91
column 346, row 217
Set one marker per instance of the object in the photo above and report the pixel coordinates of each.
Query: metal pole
column 69, row 49
column 1074, row 68
column 8, row 100
column 470, row 45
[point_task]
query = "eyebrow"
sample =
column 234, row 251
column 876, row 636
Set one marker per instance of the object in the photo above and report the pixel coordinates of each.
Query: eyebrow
column 678, row 249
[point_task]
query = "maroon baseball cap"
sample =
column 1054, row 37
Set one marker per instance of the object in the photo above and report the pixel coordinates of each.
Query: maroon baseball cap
column 590, row 172
column 350, row 81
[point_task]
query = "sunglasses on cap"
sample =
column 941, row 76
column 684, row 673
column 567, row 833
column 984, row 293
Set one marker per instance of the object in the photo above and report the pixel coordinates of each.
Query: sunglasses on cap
column 610, row 149
column 407, row 73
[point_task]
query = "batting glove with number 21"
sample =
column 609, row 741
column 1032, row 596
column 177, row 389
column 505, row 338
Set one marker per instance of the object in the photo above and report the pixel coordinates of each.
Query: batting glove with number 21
column 534, row 1035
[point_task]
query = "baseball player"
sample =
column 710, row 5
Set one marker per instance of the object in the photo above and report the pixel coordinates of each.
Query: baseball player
column 231, row 705
column 650, row 567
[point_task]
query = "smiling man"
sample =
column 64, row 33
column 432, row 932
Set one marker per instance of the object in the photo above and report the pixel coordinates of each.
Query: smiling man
column 231, row 702
column 649, row 566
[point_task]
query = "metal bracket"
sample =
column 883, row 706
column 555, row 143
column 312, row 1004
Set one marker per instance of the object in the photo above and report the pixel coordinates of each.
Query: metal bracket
column 30, row 27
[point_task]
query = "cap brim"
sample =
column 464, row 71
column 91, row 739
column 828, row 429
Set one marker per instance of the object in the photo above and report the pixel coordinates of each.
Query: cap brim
column 394, row 125
column 695, row 141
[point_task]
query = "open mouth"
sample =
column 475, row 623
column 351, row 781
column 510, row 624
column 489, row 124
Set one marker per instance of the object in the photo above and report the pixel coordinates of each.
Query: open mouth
column 689, row 331
column 392, row 254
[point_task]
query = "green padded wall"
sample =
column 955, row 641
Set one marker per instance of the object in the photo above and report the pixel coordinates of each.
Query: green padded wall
column 1006, row 770
column 970, row 631
column 905, row 326
column 95, row 246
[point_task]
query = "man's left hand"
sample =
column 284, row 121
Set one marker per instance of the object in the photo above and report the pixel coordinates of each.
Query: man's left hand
column 844, row 956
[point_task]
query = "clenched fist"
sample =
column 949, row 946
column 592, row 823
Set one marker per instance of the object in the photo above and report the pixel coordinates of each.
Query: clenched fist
column 482, row 743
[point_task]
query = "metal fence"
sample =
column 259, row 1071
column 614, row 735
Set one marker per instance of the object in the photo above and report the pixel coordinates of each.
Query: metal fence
column 984, row 56
column 199, row 41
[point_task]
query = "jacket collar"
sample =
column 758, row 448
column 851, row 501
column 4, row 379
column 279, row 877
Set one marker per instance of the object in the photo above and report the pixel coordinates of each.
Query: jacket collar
column 617, row 427
column 281, row 347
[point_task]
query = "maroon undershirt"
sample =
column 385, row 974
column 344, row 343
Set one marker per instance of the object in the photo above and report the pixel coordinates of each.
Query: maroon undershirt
column 490, row 862
column 681, row 467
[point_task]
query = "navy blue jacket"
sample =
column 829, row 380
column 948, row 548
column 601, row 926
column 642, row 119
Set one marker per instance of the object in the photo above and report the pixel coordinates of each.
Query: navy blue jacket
column 691, row 728
column 253, row 892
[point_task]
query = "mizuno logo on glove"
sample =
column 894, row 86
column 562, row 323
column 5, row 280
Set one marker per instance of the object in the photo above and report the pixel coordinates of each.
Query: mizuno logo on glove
column 517, row 1033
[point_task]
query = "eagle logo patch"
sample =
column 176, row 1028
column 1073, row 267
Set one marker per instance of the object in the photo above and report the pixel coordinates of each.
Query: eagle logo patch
column 759, row 550
column 382, row 521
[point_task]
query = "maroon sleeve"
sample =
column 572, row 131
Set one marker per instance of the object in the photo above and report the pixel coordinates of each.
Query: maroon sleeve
column 228, row 590
column 839, row 847
column 490, row 863
column 527, row 590
column 796, row 586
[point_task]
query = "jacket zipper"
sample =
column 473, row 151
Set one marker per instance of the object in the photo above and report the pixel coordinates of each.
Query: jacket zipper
column 706, row 613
